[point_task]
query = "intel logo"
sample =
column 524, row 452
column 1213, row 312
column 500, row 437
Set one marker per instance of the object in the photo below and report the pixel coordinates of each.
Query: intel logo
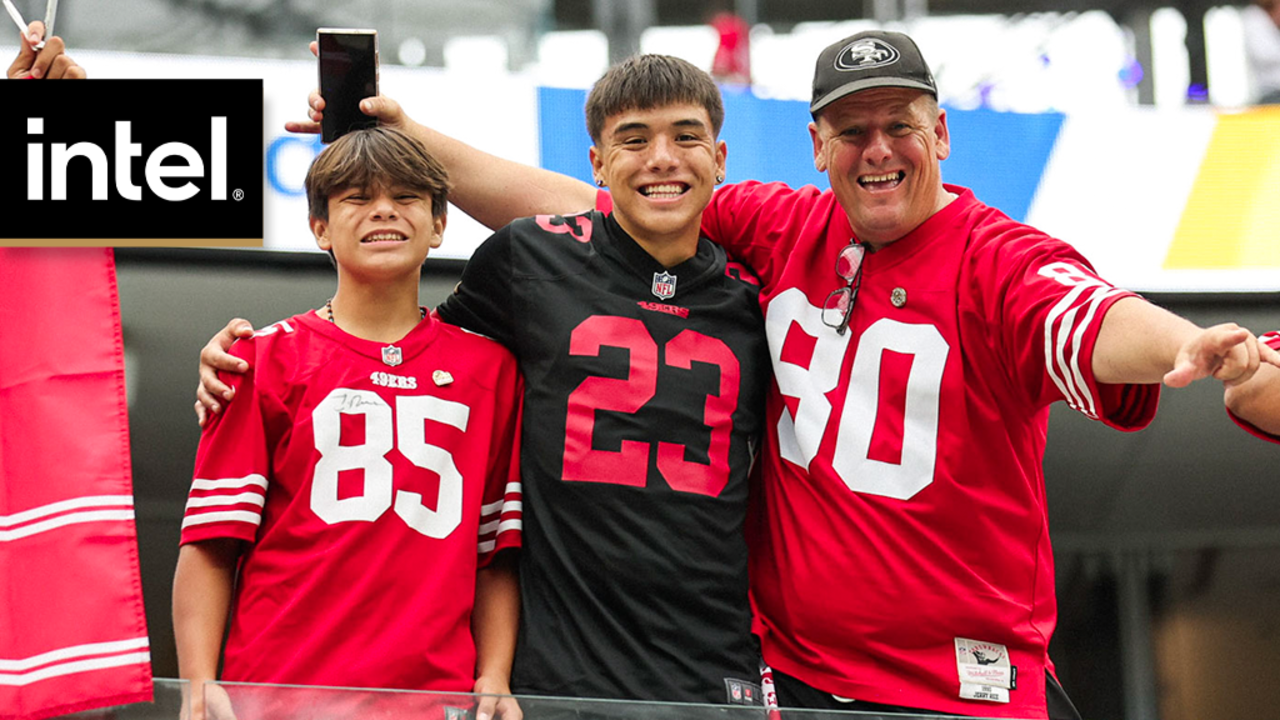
column 134, row 162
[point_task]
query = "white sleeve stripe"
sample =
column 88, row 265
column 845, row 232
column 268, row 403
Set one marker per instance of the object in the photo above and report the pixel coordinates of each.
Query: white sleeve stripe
column 72, row 668
column 502, row 504
column 1067, row 373
column 500, row 526
column 229, row 516
column 230, row 483
column 1095, row 302
column 486, row 547
column 1052, row 360
column 251, row 498
column 64, row 505
column 75, row 651
column 505, row 508
column 63, row 521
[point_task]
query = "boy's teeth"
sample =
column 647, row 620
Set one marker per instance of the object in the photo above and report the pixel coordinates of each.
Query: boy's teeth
column 663, row 190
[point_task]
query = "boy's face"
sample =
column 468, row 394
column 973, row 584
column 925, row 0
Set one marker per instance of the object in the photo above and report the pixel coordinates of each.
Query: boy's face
column 660, row 166
column 379, row 231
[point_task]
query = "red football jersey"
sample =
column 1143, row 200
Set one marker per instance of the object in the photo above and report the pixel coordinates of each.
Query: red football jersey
column 372, row 481
column 901, row 552
column 1272, row 339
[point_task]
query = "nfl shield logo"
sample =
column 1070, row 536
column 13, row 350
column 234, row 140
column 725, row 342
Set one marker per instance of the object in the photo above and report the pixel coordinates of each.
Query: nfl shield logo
column 392, row 356
column 664, row 285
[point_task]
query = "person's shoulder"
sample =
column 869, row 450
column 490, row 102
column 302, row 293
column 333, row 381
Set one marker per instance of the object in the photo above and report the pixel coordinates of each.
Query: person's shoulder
column 279, row 345
column 764, row 193
column 473, row 348
column 579, row 227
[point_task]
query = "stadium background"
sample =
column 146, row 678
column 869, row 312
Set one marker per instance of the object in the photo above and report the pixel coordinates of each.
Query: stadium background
column 1166, row 540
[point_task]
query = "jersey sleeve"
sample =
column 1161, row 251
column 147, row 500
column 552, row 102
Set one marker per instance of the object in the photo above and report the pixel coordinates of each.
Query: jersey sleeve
column 757, row 222
column 1272, row 339
column 1051, row 304
column 502, row 514
column 481, row 302
column 229, row 489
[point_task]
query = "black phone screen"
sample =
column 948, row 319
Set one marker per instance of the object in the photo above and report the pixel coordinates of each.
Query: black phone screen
column 348, row 74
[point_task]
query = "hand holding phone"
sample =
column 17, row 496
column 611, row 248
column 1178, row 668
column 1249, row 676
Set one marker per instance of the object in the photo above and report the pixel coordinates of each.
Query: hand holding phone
column 348, row 74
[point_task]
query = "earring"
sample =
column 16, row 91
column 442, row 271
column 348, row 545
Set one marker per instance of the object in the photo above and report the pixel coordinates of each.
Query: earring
column 599, row 182
column 719, row 179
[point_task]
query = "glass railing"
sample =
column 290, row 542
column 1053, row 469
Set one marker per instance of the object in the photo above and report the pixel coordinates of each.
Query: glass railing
column 245, row 701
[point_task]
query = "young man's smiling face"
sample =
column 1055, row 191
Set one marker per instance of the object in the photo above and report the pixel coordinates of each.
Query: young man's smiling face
column 882, row 151
column 661, row 166
column 379, row 231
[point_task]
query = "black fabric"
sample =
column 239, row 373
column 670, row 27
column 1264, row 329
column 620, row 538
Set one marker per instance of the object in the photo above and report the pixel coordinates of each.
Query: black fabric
column 1060, row 706
column 633, row 581
column 793, row 693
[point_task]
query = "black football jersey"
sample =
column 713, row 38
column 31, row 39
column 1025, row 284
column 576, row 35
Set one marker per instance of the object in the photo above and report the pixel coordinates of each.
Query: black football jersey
column 644, row 396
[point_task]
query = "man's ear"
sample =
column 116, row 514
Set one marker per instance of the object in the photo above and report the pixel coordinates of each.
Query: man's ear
column 819, row 159
column 943, row 134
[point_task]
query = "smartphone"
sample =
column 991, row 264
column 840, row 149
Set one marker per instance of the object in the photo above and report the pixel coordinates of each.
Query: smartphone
column 348, row 74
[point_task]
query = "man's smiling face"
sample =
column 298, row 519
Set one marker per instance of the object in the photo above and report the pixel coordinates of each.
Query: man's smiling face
column 882, row 151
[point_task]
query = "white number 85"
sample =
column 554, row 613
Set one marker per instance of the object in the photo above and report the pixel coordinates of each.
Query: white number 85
column 368, row 506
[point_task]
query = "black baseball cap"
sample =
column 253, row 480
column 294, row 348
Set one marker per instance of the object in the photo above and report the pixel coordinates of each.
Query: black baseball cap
column 870, row 59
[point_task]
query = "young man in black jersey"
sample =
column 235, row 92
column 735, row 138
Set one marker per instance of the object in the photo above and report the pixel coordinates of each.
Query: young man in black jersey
column 646, row 368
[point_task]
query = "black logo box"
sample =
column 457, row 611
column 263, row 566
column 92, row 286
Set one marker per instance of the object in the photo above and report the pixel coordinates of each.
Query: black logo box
column 158, row 112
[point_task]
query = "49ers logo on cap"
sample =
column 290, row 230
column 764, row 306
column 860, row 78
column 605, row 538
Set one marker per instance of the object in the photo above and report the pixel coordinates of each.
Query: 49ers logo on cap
column 865, row 54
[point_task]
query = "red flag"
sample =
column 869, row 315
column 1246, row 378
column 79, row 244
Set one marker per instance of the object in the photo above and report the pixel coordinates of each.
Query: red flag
column 73, row 633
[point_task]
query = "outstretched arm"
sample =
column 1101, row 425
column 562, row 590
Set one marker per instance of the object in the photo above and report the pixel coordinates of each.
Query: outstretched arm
column 1142, row 343
column 491, row 189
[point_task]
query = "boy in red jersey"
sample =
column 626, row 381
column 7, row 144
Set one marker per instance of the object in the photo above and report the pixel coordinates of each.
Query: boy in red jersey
column 366, row 482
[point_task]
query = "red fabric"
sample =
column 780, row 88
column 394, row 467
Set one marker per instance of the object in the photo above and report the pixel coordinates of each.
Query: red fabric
column 371, row 494
column 903, row 501
column 73, row 633
column 1272, row 339
column 732, row 62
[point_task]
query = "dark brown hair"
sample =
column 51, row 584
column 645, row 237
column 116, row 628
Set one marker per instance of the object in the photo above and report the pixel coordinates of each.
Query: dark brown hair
column 644, row 82
column 377, row 157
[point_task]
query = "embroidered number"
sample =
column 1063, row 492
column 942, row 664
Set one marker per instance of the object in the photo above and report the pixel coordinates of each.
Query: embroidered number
column 799, row 437
column 370, row 456
column 629, row 465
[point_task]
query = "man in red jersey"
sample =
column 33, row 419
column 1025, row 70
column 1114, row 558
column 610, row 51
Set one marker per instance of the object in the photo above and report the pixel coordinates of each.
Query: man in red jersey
column 1255, row 404
column 900, row 552
column 367, row 480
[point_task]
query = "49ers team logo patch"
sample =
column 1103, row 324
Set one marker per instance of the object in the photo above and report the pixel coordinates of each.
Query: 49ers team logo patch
column 664, row 285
